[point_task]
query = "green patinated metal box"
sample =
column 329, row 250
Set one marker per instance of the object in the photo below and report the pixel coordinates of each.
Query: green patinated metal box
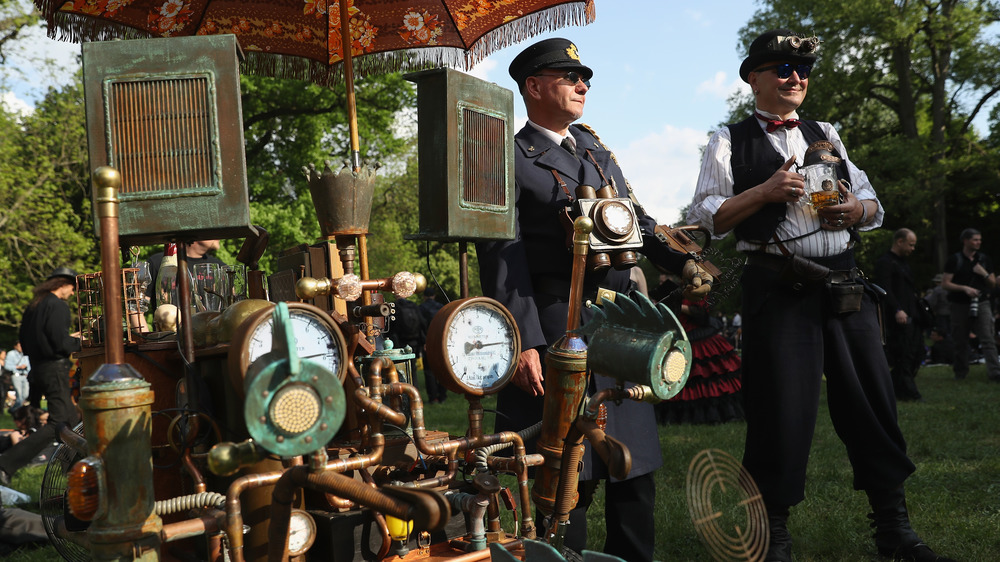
column 166, row 113
column 466, row 157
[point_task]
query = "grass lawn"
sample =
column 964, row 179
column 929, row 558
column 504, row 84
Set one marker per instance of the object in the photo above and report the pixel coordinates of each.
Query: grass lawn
column 953, row 437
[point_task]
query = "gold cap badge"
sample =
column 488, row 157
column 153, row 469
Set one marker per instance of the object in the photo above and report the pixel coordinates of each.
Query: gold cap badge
column 572, row 53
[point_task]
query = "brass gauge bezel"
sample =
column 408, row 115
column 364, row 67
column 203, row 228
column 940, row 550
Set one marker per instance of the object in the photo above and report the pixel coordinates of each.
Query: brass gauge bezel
column 242, row 344
column 437, row 344
column 303, row 517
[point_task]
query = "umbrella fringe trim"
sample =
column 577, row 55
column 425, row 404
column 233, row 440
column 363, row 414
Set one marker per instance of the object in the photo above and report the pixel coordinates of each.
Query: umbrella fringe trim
column 79, row 28
column 543, row 21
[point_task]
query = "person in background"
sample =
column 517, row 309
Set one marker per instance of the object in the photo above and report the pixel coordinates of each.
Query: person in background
column 808, row 315
column 19, row 366
column 904, row 334
column 712, row 392
column 199, row 251
column 407, row 327
column 27, row 419
column 531, row 276
column 45, row 336
column 436, row 392
column 969, row 278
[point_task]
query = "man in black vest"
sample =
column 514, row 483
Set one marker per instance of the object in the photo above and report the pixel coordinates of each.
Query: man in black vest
column 531, row 274
column 804, row 318
column 904, row 333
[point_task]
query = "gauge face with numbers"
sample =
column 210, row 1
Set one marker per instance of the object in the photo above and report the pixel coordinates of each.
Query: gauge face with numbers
column 301, row 532
column 473, row 346
column 317, row 338
column 614, row 219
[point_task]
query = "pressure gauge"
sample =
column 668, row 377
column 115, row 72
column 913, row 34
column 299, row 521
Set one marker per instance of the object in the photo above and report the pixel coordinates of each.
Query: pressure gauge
column 317, row 338
column 473, row 346
column 613, row 219
column 301, row 532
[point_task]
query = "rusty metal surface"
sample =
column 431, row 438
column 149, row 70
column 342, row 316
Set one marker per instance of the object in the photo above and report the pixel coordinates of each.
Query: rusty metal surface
column 167, row 114
column 466, row 154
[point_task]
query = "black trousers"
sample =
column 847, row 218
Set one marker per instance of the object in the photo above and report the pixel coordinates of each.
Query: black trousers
column 791, row 340
column 631, row 532
column 905, row 350
column 51, row 380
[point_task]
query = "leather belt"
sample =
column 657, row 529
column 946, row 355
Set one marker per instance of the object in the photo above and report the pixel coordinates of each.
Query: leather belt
column 780, row 263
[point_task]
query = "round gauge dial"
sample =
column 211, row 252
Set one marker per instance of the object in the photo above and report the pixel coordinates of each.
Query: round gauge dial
column 317, row 338
column 473, row 346
column 614, row 219
column 301, row 532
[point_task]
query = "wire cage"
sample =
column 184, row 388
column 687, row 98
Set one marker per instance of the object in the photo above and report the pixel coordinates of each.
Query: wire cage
column 90, row 298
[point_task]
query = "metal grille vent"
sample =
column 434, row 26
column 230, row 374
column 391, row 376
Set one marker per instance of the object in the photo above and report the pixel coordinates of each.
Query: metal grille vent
column 160, row 137
column 483, row 159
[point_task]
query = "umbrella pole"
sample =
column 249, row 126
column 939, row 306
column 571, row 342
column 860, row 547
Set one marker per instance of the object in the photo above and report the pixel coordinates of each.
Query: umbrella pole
column 352, row 108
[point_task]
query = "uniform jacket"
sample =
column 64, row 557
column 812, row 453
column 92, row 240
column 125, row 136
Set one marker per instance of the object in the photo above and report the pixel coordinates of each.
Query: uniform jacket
column 510, row 272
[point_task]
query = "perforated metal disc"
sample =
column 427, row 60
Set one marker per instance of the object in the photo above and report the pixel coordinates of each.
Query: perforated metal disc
column 726, row 507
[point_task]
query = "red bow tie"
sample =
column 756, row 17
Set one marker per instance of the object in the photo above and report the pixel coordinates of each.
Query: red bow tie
column 774, row 124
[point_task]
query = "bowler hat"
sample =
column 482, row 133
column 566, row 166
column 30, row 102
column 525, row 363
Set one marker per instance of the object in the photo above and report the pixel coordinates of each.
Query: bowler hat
column 549, row 53
column 63, row 272
column 779, row 44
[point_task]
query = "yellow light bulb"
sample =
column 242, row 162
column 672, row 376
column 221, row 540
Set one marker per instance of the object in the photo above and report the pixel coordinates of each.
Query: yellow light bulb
column 399, row 530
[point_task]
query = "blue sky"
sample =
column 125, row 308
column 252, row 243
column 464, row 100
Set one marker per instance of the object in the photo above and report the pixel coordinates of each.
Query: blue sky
column 662, row 74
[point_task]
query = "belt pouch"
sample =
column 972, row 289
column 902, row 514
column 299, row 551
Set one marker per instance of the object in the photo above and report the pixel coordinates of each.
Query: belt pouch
column 845, row 297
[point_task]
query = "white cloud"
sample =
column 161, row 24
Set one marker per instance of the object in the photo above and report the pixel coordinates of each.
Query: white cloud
column 14, row 104
column 663, row 170
column 483, row 69
column 721, row 87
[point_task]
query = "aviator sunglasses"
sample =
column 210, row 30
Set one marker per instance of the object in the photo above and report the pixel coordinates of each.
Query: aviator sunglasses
column 784, row 70
column 571, row 76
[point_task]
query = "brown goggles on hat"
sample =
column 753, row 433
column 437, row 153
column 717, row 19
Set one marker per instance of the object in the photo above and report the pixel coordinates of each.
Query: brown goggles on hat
column 791, row 43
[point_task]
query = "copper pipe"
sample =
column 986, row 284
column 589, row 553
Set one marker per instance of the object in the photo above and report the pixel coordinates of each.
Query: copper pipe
column 484, row 554
column 196, row 527
column 107, row 182
column 192, row 470
column 383, row 527
column 463, row 268
column 298, row 477
column 582, row 227
column 184, row 308
column 366, row 297
column 234, row 514
column 566, row 492
column 451, row 448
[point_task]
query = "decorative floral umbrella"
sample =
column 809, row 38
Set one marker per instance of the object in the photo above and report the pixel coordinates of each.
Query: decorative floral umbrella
column 303, row 39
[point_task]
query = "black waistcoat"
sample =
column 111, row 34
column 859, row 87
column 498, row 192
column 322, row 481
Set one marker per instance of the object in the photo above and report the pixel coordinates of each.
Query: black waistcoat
column 754, row 160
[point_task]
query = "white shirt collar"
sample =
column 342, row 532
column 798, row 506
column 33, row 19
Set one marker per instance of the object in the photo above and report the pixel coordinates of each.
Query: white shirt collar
column 769, row 115
column 552, row 135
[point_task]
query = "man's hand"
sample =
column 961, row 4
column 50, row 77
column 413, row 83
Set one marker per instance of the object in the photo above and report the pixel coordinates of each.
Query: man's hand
column 843, row 215
column 902, row 317
column 528, row 376
column 697, row 281
column 979, row 270
column 784, row 186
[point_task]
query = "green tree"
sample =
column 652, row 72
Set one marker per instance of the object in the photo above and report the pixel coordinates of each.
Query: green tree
column 45, row 209
column 289, row 125
column 903, row 81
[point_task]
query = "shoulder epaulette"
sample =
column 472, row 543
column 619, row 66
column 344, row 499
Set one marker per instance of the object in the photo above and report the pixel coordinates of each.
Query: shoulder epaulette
column 628, row 186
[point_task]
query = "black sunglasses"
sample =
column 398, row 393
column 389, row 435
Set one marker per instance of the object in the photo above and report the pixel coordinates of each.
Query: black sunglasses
column 571, row 76
column 784, row 70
